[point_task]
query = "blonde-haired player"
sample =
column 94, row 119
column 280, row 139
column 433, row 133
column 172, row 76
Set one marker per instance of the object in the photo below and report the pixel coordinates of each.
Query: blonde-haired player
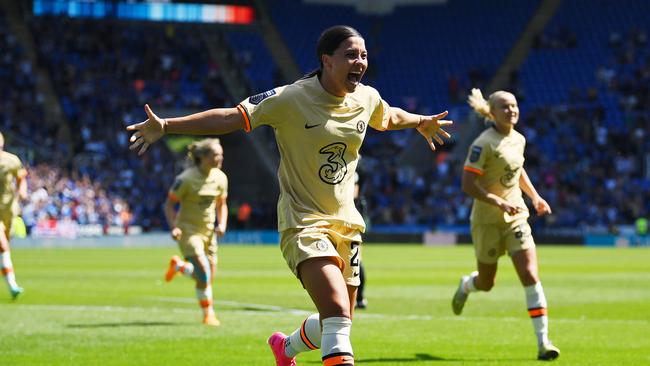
column 201, row 191
column 13, row 186
column 320, row 122
column 495, row 177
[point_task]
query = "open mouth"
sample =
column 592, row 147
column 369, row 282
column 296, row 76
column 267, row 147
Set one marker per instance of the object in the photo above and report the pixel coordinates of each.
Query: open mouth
column 354, row 77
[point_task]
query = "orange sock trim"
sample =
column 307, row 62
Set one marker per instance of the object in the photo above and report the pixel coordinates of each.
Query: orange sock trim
column 303, row 337
column 205, row 303
column 338, row 359
column 537, row 312
column 6, row 271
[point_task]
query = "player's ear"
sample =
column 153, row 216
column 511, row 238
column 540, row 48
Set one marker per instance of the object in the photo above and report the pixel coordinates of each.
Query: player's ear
column 326, row 60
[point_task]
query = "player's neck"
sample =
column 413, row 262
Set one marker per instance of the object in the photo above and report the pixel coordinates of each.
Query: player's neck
column 329, row 86
column 503, row 129
column 204, row 169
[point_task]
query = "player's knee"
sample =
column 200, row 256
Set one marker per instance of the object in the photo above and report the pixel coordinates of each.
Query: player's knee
column 530, row 279
column 337, row 309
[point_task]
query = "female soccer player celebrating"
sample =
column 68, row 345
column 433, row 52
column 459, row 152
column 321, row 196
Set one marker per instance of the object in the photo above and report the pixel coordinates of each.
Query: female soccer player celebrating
column 320, row 122
column 494, row 176
column 200, row 191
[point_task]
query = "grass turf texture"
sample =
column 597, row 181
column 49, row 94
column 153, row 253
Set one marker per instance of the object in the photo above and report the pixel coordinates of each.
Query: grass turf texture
column 110, row 306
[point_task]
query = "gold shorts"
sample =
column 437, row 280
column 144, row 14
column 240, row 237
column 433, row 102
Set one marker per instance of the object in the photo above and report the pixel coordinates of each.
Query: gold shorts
column 6, row 216
column 196, row 244
column 492, row 240
column 337, row 241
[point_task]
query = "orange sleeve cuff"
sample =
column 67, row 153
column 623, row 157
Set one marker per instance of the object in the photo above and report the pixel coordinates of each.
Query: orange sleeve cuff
column 172, row 197
column 473, row 170
column 247, row 121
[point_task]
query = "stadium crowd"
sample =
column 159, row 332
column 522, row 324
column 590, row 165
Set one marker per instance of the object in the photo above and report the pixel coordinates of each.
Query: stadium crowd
column 21, row 105
column 98, row 70
column 588, row 166
column 62, row 196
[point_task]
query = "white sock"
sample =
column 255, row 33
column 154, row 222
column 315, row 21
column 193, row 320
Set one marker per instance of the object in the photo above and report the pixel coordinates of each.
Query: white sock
column 8, row 269
column 306, row 338
column 468, row 284
column 335, row 344
column 205, row 300
column 536, row 302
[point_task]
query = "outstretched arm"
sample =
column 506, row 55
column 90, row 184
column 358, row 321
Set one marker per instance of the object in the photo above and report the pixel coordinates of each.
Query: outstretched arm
column 216, row 121
column 430, row 127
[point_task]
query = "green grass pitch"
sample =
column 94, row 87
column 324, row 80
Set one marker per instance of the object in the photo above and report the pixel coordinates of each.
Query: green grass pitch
column 110, row 306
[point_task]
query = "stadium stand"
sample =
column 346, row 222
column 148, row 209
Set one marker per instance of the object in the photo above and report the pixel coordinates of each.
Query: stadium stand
column 582, row 90
column 98, row 70
column 252, row 54
column 165, row 65
column 585, row 103
column 55, row 195
column 22, row 113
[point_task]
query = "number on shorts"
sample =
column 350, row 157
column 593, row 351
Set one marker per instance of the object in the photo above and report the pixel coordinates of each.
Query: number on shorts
column 354, row 261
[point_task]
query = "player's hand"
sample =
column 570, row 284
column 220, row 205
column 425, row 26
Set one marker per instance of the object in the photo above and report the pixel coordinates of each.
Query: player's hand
column 219, row 231
column 542, row 207
column 509, row 208
column 147, row 132
column 177, row 233
column 430, row 128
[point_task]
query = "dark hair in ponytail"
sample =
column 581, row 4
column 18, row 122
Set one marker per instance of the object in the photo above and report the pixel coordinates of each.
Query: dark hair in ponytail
column 328, row 42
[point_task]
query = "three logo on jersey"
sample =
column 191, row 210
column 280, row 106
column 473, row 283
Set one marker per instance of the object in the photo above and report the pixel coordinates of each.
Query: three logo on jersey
column 335, row 168
column 507, row 179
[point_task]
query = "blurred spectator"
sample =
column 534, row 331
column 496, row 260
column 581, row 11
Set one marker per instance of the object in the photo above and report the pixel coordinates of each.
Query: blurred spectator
column 73, row 198
column 244, row 215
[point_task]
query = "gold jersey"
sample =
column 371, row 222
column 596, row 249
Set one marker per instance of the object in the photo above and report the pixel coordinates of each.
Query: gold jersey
column 11, row 169
column 498, row 160
column 197, row 194
column 319, row 136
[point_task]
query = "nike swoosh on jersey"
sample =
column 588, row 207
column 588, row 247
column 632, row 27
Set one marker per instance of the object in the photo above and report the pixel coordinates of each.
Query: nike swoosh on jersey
column 308, row 126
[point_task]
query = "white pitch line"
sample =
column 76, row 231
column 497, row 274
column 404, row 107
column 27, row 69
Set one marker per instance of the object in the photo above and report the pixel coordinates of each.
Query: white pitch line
column 359, row 314
column 266, row 307
column 260, row 308
column 98, row 308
